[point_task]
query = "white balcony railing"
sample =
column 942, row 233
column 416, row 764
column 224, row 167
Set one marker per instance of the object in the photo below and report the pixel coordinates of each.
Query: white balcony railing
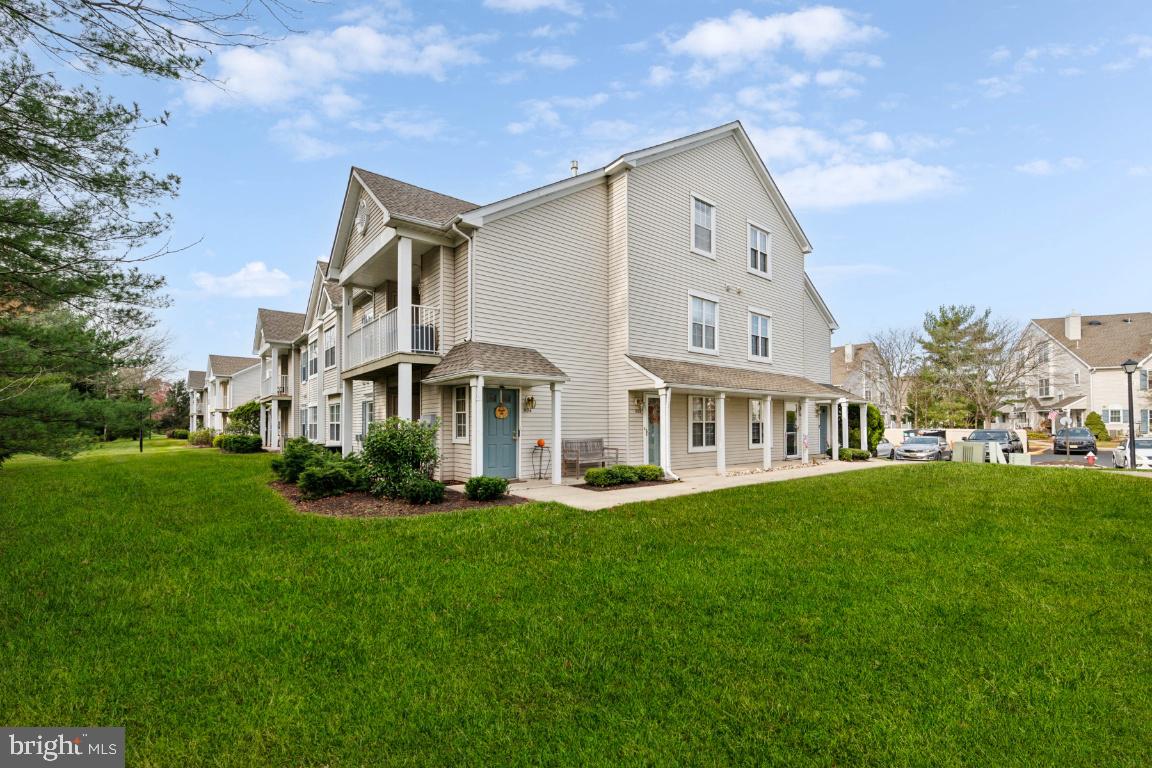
column 378, row 338
column 274, row 385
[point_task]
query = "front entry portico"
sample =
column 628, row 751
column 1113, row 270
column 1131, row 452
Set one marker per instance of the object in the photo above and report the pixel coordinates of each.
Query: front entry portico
column 501, row 431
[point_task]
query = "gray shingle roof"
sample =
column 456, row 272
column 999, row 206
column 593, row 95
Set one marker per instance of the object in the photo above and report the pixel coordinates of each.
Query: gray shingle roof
column 280, row 326
column 414, row 202
column 678, row 372
column 195, row 379
column 226, row 365
column 473, row 358
column 1108, row 343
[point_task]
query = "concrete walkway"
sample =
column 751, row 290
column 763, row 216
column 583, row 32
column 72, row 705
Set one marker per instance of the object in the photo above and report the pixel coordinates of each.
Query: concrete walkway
column 582, row 498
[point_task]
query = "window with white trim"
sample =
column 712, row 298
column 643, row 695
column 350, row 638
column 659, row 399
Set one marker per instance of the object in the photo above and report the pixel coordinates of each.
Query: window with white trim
column 330, row 346
column 313, row 358
column 1115, row 415
column 704, row 315
column 703, row 227
column 1076, row 377
column 460, row 415
column 303, row 422
column 755, row 423
column 313, row 415
column 759, row 251
column 1044, row 353
column 1045, row 387
column 701, row 423
column 760, row 336
column 334, row 422
column 303, row 363
column 367, row 416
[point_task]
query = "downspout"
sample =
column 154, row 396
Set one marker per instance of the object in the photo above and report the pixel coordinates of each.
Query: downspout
column 471, row 314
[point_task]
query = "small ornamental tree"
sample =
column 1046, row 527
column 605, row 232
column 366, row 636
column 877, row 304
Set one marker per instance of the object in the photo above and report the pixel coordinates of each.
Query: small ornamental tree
column 1096, row 425
column 398, row 450
column 875, row 427
column 244, row 419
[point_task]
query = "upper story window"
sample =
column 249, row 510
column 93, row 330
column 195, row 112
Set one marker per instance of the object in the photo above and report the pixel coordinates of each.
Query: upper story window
column 330, row 346
column 1076, row 377
column 313, row 358
column 759, row 251
column 460, row 415
column 1043, row 353
column 705, row 311
column 703, row 227
column 1143, row 379
column 760, row 335
column 304, row 364
column 1045, row 387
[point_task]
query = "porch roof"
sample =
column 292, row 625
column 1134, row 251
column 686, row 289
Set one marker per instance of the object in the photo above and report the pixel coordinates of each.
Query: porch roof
column 678, row 373
column 1059, row 405
column 478, row 358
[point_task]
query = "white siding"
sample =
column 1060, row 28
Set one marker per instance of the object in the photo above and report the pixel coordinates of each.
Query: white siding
column 817, row 343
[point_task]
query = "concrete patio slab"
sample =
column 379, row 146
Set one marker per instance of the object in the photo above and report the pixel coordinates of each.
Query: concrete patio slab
column 581, row 498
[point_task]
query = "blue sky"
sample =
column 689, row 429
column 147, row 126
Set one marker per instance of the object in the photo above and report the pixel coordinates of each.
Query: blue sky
column 944, row 152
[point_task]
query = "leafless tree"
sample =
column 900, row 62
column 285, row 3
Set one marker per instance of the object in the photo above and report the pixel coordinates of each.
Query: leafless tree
column 1010, row 358
column 898, row 356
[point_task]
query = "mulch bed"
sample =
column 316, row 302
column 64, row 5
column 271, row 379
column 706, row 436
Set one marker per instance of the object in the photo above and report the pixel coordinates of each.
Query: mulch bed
column 359, row 504
column 622, row 486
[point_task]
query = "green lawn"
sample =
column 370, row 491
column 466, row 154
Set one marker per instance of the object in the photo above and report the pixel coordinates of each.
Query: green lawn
column 927, row 615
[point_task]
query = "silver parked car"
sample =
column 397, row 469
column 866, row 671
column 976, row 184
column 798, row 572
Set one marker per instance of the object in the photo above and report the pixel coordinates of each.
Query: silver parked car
column 1143, row 454
column 1008, row 440
column 884, row 449
column 924, row 448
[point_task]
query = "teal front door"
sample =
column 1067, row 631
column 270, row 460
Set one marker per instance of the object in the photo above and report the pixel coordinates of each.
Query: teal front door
column 824, row 428
column 501, row 430
column 653, row 429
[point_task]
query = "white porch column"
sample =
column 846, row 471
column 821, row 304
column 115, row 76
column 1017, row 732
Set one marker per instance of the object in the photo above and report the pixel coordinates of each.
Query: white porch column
column 346, row 417
column 766, row 415
column 477, row 433
column 666, row 433
column 863, row 426
column 404, row 388
column 805, row 425
column 721, row 464
column 556, row 434
column 275, row 439
column 264, row 426
column 404, row 300
column 843, row 406
column 834, row 429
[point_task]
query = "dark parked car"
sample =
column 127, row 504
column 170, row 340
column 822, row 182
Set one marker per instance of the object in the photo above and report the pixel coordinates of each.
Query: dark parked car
column 1074, row 440
column 923, row 448
column 1007, row 438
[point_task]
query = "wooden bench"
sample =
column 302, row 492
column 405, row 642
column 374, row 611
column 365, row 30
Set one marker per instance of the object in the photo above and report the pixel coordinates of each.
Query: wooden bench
column 589, row 452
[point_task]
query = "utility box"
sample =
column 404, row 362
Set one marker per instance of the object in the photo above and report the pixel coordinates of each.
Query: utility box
column 1020, row 459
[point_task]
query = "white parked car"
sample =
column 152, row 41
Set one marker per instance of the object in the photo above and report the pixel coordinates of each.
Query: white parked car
column 1143, row 454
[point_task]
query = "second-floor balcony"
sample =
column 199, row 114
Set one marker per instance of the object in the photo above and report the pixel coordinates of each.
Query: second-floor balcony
column 379, row 338
column 274, row 386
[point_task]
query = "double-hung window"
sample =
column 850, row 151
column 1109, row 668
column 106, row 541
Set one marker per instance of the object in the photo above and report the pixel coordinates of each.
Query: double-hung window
column 460, row 415
column 759, row 251
column 755, row 423
column 1045, row 387
column 703, row 227
column 304, row 364
column 334, row 422
column 760, row 335
column 702, row 423
column 367, row 416
column 704, row 318
column 330, row 346
column 303, row 422
column 1143, row 379
column 312, row 417
column 313, row 358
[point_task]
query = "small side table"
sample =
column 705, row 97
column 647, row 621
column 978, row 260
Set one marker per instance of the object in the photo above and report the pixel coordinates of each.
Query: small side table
column 541, row 461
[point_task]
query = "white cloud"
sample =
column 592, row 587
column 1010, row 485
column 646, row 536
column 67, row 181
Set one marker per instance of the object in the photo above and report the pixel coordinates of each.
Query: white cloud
column 831, row 273
column 254, row 279
column 298, row 136
column 610, row 130
column 839, row 82
column 659, row 76
column 999, row 55
column 337, row 104
column 842, row 184
column 1028, row 64
column 543, row 113
column 547, row 59
column 861, row 59
column 1050, row 167
column 549, row 31
column 403, row 123
column 742, row 37
column 527, row 6
column 1140, row 170
column 794, row 145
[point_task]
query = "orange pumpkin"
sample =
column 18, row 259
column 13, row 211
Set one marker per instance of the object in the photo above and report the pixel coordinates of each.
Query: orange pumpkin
column 540, row 442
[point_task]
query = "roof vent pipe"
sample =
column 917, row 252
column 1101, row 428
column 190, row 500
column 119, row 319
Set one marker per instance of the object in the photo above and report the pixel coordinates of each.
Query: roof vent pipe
column 575, row 167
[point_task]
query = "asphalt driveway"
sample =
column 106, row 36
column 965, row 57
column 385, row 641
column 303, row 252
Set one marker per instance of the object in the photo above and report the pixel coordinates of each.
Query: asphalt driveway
column 1103, row 459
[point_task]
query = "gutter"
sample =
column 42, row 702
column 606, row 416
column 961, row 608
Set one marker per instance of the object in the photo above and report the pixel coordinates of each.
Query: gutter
column 471, row 246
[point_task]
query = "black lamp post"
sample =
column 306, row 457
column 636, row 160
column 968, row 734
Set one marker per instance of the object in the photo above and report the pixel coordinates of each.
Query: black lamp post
column 140, row 392
column 1130, row 367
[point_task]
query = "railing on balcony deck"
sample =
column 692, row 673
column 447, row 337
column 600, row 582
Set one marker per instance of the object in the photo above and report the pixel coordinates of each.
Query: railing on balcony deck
column 378, row 338
column 274, row 385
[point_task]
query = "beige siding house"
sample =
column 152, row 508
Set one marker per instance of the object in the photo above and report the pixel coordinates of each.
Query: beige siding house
column 1081, row 371
column 658, row 305
column 274, row 343
column 197, row 401
column 229, row 381
column 858, row 369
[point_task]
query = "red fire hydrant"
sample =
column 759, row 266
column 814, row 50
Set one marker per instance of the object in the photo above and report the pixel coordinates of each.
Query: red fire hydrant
column 1091, row 457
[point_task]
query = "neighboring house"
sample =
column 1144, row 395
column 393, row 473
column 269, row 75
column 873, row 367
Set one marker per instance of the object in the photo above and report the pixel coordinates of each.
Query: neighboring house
column 659, row 304
column 197, row 401
column 274, row 342
column 857, row 368
column 229, row 381
column 1080, row 371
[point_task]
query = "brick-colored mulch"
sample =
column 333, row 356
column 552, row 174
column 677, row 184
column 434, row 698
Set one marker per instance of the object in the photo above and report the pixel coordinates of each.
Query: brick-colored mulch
column 360, row 504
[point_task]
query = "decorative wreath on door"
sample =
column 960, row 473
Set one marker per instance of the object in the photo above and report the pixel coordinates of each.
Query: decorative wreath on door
column 501, row 411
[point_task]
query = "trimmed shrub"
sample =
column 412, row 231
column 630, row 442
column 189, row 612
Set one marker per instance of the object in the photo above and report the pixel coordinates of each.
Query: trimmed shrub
column 601, row 477
column 423, row 490
column 200, row 437
column 217, row 441
column 483, row 488
column 1096, row 424
column 324, row 478
column 244, row 419
column 177, row 434
column 295, row 456
column 240, row 443
column 397, row 450
column 624, row 473
column 649, row 473
column 854, row 454
column 362, row 479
